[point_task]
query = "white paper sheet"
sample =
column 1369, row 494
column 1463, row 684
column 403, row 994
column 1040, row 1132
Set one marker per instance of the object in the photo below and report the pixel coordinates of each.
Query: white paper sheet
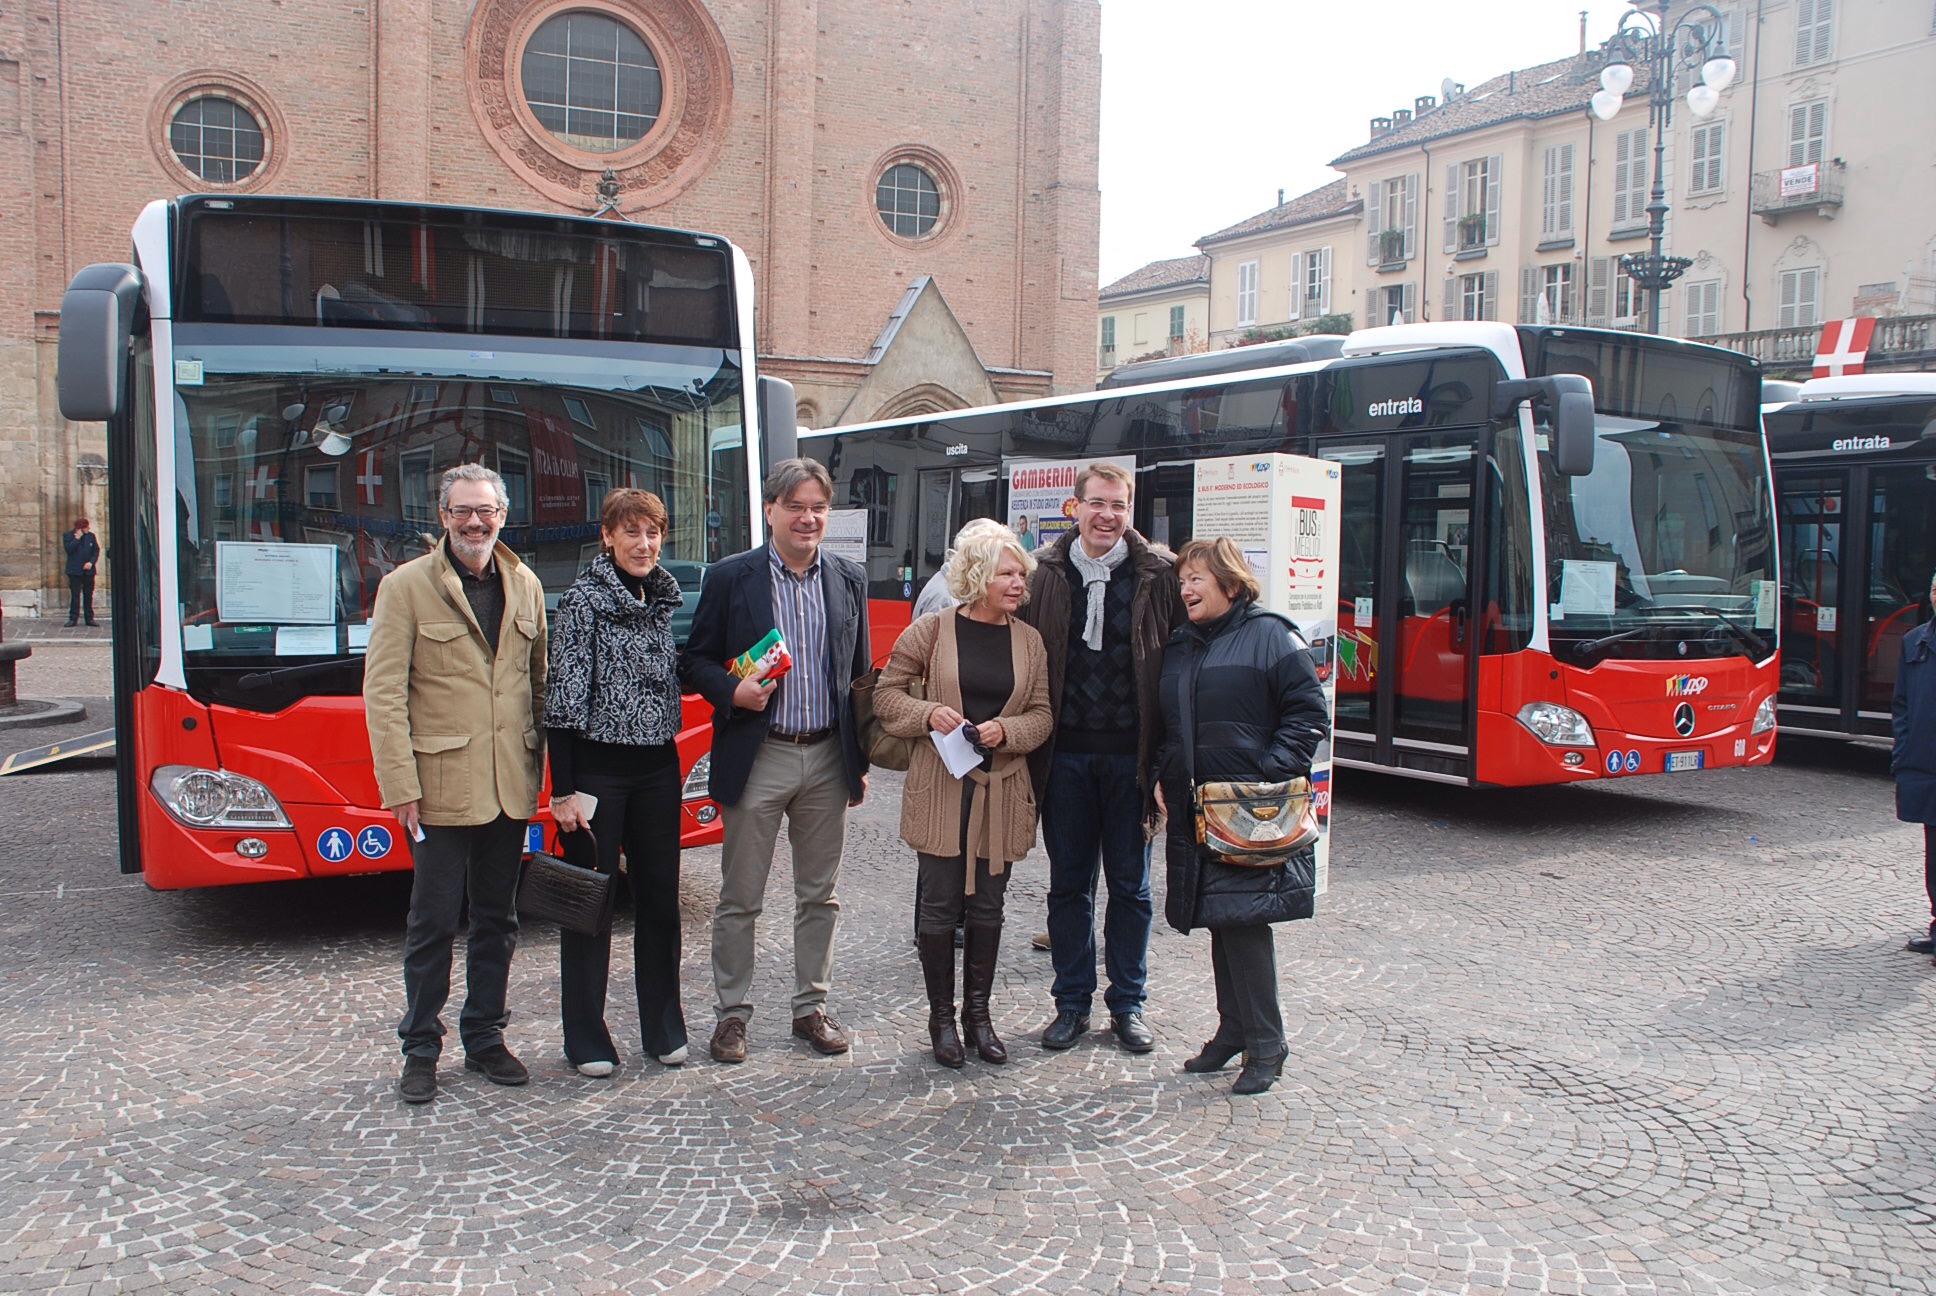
column 305, row 641
column 1586, row 587
column 957, row 750
column 279, row 583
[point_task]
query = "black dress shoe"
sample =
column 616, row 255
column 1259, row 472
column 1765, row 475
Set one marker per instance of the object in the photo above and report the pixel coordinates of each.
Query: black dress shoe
column 419, row 1082
column 1132, row 1032
column 1258, row 1075
column 1065, row 1030
column 1215, row 1057
column 1922, row 944
column 498, row 1065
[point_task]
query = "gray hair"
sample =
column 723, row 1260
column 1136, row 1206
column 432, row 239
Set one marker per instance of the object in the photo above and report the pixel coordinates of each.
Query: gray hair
column 472, row 472
column 790, row 475
column 977, row 552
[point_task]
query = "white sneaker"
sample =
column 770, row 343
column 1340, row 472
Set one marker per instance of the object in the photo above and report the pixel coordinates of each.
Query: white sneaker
column 597, row 1070
column 675, row 1058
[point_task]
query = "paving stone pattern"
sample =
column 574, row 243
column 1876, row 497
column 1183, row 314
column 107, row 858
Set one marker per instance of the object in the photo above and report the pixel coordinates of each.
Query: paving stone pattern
column 1657, row 1036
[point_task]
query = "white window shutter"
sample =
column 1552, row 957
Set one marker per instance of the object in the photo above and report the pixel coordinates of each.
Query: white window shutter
column 1324, row 280
column 1528, row 294
column 1409, row 300
column 1374, row 300
column 1451, row 311
column 1452, row 200
column 1565, row 223
column 1374, row 227
column 1599, row 289
column 1495, row 168
column 1412, row 219
column 1490, row 290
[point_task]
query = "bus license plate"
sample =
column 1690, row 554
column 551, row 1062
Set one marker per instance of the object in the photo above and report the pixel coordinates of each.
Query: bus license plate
column 1683, row 761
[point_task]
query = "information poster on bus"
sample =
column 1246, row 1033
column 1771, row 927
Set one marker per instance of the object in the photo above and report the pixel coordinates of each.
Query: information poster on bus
column 1282, row 512
column 1042, row 496
column 277, row 584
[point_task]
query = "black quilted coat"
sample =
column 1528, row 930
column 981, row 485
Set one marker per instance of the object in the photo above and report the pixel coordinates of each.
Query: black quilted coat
column 614, row 665
column 1260, row 716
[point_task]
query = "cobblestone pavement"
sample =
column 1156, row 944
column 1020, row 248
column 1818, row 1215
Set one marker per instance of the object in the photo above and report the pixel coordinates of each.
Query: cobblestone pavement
column 1658, row 1036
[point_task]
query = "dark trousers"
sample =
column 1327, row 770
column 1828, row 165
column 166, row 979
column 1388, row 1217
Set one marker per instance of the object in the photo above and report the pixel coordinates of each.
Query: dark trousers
column 1244, row 960
column 1929, row 871
column 1092, row 821
column 941, row 898
column 482, row 862
column 80, row 594
column 638, row 811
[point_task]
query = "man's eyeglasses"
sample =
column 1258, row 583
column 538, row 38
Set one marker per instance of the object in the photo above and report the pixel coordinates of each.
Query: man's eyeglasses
column 1107, row 506
column 482, row 512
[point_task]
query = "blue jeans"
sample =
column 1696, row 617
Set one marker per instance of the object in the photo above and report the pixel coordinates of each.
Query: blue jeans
column 1092, row 820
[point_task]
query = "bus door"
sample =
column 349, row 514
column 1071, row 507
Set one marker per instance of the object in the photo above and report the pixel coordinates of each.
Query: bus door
column 1815, row 544
column 1405, row 632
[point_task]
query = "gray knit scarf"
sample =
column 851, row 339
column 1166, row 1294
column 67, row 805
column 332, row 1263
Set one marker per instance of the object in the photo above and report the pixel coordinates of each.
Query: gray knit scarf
column 1095, row 578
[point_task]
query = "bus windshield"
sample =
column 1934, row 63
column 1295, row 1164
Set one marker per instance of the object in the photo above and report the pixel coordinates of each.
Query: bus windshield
column 1666, row 549
column 305, row 472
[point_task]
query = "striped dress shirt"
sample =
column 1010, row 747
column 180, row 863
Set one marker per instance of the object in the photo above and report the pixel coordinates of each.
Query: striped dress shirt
column 803, row 700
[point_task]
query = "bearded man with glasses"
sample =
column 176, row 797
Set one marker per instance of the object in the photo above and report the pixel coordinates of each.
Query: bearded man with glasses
column 453, row 685
column 1105, row 602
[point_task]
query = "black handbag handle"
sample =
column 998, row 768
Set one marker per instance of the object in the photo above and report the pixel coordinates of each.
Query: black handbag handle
column 558, row 840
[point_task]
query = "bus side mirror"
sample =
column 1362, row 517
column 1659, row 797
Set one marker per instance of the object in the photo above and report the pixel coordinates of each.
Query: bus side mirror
column 779, row 422
column 97, row 314
column 1569, row 402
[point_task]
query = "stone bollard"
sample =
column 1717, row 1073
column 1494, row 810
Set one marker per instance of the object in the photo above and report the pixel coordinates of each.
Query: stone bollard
column 9, row 654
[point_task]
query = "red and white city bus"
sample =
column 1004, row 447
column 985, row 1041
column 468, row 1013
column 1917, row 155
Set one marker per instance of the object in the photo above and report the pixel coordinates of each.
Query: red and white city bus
column 284, row 380
column 1559, row 550
column 1855, row 463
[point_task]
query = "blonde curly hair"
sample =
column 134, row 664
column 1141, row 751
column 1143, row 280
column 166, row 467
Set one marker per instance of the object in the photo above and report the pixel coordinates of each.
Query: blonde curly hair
column 976, row 553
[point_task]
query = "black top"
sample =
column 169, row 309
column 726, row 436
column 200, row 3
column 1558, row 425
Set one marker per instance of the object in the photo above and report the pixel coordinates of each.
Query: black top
column 986, row 666
column 1099, row 713
column 484, row 591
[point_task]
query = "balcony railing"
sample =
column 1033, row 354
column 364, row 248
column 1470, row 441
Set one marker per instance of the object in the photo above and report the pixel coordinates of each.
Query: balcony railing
column 1106, row 357
column 1899, row 342
column 1797, row 191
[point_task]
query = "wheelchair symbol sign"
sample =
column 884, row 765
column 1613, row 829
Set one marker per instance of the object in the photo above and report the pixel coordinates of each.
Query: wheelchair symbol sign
column 373, row 842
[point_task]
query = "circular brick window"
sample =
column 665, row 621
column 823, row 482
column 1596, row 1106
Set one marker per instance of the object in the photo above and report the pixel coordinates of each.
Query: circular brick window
column 565, row 89
column 591, row 81
column 907, row 200
column 214, row 130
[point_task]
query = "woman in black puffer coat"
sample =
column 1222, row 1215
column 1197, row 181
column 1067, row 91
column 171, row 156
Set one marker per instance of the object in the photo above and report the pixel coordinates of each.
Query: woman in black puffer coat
column 1260, row 716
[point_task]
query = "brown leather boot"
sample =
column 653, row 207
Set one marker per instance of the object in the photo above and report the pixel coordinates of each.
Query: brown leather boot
column 978, row 948
column 938, row 969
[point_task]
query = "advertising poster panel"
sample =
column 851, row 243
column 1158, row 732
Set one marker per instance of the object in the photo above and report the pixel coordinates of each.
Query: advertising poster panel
column 1042, row 495
column 1282, row 512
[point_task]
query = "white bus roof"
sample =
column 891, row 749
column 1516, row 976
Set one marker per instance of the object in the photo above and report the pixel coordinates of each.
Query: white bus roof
column 1877, row 384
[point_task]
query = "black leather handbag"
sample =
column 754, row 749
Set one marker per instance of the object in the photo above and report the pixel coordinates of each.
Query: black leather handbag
column 553, row 889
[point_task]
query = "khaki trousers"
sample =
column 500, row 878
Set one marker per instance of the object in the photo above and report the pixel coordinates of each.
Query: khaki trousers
column 808, row 786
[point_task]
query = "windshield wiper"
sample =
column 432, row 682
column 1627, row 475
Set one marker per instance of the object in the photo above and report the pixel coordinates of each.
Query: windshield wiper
column 1747, row 636
column 262, row 679
column 1588, row 647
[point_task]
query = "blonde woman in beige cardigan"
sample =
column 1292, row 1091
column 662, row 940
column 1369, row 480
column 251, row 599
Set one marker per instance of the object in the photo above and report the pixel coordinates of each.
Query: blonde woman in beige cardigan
column 984, row 668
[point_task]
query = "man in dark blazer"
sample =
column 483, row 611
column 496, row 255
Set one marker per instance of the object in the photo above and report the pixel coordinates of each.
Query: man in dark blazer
column 785, row 747
column 83, row 556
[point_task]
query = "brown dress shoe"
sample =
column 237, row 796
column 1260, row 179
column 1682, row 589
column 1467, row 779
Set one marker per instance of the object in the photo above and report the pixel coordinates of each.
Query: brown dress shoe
column 729, row 1040
column 819, row 1029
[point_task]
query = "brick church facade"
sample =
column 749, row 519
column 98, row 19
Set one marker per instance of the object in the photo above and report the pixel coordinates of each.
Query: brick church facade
column 908, row 172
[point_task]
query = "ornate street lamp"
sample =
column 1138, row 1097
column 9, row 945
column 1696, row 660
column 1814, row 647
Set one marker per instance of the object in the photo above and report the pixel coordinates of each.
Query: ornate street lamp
column 1646, row 41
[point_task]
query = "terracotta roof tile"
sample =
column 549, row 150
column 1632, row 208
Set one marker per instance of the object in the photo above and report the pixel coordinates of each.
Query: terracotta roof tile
column 1544, row 90
column 1161, row 274
column 1329, row 200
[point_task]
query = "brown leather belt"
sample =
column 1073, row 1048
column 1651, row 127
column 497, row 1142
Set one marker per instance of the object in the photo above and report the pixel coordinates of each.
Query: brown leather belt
column 800, row 739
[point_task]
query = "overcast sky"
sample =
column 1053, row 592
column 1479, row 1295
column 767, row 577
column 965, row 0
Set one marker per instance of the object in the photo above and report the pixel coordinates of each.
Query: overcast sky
column 1210, row 106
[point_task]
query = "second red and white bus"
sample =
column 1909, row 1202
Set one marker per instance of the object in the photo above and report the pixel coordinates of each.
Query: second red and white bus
column 1538, row 585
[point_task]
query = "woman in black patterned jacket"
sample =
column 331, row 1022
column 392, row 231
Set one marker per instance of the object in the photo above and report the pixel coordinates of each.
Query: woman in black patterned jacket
column 612, row 712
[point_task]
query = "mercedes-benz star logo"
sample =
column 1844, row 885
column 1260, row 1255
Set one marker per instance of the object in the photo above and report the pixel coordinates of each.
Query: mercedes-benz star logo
column 1684, row 720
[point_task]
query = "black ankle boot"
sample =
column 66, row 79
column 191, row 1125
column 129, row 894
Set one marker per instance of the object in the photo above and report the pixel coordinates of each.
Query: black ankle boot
column 1215, row 1057
column 1258, row 1074
column 978, row 949
column 938, row 970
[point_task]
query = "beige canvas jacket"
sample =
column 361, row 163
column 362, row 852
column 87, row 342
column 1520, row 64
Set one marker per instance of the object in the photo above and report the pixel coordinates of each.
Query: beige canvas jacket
column 452, row 726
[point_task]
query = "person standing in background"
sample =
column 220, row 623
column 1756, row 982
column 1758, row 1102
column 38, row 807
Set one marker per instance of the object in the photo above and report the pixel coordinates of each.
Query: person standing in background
column 1913, row 760
column 83, row 560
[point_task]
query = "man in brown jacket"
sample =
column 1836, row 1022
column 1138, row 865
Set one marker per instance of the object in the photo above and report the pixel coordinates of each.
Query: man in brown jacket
column 453, row 687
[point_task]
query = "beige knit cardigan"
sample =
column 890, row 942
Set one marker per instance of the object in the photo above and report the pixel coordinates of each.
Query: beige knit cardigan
column 1001, row 817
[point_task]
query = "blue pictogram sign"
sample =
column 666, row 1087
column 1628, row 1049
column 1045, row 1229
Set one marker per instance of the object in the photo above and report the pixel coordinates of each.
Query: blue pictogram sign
column 335, row 844
column 1613, row 762
column 373, row 842
column 1633, row 760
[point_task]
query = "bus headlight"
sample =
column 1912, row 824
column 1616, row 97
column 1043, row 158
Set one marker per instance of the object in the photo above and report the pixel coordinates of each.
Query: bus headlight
column 1556, row 725
column 1764, row 715
column 697, row 781
column 206, row 798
